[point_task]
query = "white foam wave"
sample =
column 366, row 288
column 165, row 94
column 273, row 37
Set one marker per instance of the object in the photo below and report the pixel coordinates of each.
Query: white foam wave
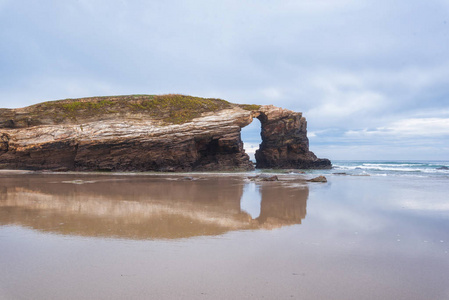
column 392, row 165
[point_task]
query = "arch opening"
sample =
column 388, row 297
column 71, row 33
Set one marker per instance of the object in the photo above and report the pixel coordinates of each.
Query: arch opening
column 252, row 138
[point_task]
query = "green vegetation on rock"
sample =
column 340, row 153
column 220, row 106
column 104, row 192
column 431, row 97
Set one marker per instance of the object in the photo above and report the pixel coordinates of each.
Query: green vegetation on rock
column 169, row 109
column 250, row 107
column 77, row 105
column 178, row 109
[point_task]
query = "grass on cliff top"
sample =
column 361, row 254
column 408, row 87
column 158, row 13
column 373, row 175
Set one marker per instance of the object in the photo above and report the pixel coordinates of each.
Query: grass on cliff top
column 178, row 109
column 171, row 108
column 250, row 107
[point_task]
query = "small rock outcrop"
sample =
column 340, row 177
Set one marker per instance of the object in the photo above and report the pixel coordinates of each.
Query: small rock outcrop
column 264, row 177
column 318, row 179
column 150, row 133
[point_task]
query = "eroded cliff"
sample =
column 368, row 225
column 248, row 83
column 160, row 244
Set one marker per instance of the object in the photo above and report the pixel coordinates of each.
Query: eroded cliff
column 150, row 133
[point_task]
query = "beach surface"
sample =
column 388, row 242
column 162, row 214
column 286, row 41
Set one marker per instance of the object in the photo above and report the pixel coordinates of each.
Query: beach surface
column 223, row 236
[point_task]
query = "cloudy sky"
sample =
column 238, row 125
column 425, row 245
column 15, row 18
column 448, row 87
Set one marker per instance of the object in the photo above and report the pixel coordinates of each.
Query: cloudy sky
column 371, row 77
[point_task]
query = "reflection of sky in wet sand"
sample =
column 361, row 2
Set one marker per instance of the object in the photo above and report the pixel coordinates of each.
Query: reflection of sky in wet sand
column 144, row 207
column 250, row 201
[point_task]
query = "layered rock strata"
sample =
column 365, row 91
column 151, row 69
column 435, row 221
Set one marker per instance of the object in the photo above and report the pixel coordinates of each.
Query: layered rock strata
column 150, row 133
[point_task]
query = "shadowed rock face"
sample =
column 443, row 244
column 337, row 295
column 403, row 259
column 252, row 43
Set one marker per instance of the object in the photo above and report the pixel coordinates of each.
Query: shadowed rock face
column 122, row 134
column 284, row 141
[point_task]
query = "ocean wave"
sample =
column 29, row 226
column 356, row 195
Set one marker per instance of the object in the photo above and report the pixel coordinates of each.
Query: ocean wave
column 393, row 169
column 393, row 165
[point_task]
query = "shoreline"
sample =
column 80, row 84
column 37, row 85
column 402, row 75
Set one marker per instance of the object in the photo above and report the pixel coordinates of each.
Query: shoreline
column 152, row 173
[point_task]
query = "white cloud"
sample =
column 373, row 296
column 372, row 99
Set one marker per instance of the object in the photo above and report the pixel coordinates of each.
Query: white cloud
column 339, row 105
column 431, row 112
column 410, row 138
column 272, row 93
column 380, row 151
column 344, row 98
column 371, row 97
column 416, row 127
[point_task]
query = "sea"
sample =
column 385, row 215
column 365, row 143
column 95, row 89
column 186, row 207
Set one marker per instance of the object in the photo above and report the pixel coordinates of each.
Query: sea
column 378, row 168
column 404, row 168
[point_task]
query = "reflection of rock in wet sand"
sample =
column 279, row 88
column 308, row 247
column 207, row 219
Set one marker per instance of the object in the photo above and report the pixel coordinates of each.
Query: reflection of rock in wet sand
column 142, row 207
column 282, row 205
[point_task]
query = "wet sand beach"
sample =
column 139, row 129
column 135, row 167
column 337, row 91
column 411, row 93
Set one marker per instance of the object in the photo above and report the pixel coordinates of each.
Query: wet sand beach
column 222, row 236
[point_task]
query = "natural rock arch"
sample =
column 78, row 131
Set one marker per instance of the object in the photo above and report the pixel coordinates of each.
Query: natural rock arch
column 150, row 133
column 284, row 141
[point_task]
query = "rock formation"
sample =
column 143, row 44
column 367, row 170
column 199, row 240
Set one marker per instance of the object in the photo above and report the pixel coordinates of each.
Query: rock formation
column 150, row 133
column 284, row 141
